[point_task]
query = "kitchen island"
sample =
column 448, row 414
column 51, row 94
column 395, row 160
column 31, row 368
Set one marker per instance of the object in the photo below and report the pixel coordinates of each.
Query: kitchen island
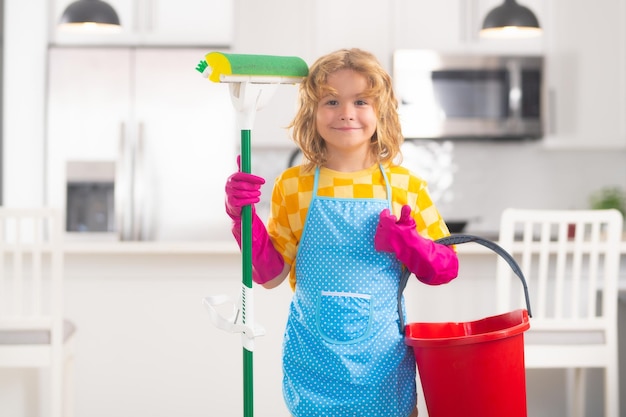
column 146, row 346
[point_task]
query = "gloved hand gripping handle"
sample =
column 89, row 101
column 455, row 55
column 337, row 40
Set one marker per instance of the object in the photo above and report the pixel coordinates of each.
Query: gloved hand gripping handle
column 460, row 239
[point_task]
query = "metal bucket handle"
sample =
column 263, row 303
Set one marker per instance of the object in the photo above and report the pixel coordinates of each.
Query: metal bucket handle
column 457, row 239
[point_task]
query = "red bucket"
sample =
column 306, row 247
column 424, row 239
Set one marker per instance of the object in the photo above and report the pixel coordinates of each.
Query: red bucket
column 473, row 368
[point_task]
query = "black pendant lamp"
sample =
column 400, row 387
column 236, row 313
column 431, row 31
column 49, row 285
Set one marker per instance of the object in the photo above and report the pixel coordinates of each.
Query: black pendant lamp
column 90, row 14
column 510, row 20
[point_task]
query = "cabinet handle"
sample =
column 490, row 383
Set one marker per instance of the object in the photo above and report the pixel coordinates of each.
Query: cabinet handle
column 136, row 16
column 121, row 184
column 551, row 107
column 139, row 185
column 515, row 105
column 467, row 18
column 150, row 12
column 463, row 20
column 153, row 14
column 144, row 12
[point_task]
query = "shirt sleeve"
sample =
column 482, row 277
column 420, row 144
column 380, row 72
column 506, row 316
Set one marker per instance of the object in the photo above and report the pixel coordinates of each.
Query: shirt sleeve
column 410, row 189
column 279, row 228
column 428, row 220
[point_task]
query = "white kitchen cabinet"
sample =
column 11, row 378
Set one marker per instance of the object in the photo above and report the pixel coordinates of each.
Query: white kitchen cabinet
column 157, row 22
column 169, row 131
column 353, row 23
column 440, row 25
column 276, row 27
column 453, row 26
column 586, row 74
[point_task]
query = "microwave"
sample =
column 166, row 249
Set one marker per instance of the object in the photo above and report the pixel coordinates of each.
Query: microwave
column 468, row 96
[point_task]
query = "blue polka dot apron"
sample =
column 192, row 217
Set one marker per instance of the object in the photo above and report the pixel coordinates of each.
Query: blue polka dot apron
column 343, row 352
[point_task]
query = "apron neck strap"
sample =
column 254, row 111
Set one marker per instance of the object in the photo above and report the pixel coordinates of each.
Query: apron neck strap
column 382, row 170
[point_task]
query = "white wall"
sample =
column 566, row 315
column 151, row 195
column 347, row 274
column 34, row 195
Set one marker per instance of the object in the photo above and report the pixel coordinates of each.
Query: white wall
column 491, row 177
column 24, row 87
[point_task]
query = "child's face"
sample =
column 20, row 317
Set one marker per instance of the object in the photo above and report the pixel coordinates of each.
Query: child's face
column 346, row 120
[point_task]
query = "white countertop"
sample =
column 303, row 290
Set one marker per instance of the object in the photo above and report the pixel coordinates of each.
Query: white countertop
column 221, row 247
column 225, row 247
column 148, row 248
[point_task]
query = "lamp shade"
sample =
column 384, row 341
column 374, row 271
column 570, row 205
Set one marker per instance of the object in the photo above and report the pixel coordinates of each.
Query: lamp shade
column 510, row 20
column 90, row 13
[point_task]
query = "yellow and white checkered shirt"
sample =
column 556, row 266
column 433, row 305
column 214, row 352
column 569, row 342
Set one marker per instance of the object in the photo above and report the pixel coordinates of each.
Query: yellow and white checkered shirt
column 293, row 191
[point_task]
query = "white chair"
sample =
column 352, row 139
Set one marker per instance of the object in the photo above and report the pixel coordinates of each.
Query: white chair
column 570, row 260
column 33, row 333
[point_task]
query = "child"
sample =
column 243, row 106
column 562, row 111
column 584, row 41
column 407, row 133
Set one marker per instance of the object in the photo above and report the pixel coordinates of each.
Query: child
column 343, row 226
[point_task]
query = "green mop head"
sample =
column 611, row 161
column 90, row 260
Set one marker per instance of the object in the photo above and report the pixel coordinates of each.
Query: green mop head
column 265, row 69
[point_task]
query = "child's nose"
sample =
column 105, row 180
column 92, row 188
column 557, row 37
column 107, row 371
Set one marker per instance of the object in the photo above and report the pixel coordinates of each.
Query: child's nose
column 347, row 112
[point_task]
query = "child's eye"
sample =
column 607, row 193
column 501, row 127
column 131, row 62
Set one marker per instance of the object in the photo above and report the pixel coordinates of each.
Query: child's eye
column 361, row 103
column 331, row 102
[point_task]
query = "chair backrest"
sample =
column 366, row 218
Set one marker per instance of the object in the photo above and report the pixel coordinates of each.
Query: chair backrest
column 30, row 269
column 570, row 259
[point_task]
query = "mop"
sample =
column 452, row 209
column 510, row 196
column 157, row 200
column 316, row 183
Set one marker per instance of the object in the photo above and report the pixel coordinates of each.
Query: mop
column 252, row 79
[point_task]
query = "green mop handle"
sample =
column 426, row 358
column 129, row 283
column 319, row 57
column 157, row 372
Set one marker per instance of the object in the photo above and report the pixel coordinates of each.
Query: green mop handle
column 246, row 252
column 249, row 76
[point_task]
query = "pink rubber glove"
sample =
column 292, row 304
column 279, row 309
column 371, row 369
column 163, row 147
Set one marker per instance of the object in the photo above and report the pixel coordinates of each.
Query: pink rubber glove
column 243, row 189
column 432, row 263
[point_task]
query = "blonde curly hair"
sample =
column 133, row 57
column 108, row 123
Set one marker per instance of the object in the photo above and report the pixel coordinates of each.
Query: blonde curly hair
column 386, row 141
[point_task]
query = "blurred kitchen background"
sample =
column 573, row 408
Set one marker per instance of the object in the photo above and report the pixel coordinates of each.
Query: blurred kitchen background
column 123, row 124
column 70, row 97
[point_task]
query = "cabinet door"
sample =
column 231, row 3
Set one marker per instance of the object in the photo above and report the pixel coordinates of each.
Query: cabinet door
column 453, row 26
column 88, row 106
column 158, row 22
column 190, row 22
column 352, row 23
column 586, row 74
column 423, row 24
column 177, row 130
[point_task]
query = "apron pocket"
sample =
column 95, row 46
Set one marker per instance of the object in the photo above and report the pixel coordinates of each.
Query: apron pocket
column 343, row 317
